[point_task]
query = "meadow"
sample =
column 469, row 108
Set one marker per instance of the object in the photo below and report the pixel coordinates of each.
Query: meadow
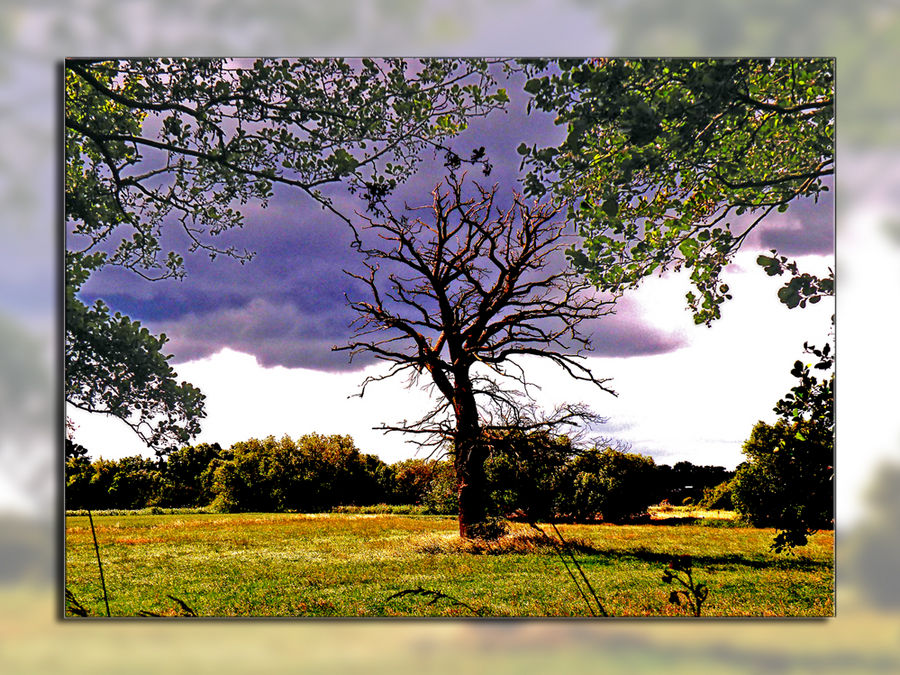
column 371, row 564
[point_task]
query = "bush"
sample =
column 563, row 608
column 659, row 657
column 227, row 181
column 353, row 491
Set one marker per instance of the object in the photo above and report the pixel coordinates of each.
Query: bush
column 313, row 473
column 412, row 479
column 718, row 497
column 442, row 497
column 524, row 473
column 608, row 483
column 380, row 509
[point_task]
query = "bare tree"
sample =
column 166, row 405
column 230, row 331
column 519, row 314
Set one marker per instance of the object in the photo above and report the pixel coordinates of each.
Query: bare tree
column 460, row 295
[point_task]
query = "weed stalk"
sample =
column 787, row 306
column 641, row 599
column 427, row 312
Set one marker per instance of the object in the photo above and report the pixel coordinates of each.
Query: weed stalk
column 681, row 571
column 568, row 549
column 99, row 564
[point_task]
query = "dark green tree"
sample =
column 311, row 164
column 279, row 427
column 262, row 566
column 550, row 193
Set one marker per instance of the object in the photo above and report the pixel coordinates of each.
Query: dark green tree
column 672, row 163
column 128, row 483
column 78, row 473
column 185, row 482
column 313, row 473
column 787, row 481
column 136, row 484
column 158, row 145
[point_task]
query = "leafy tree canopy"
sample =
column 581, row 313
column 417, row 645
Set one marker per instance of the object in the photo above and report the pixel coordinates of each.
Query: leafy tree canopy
column 117, row 367
column 161, row 151
column 787, row 481
column 609, row 482
column 672, row 163
column 158, row 140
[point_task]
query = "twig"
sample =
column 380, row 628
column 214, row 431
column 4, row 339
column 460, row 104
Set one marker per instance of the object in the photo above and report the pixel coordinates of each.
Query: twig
column 580, row 570
column 435, row 596
column 185, row 609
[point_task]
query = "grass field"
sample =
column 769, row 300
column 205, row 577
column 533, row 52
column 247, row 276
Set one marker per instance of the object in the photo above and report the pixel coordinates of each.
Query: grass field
column 351, row 564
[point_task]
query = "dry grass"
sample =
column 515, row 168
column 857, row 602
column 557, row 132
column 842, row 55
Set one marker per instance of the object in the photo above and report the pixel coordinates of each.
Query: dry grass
column 661, row 512
column 519, row 541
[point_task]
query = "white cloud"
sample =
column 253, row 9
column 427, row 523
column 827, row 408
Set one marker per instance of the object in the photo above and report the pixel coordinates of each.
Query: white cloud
column 244, row 400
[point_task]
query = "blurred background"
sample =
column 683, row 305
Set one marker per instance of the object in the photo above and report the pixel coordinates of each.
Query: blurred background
column 864, row 37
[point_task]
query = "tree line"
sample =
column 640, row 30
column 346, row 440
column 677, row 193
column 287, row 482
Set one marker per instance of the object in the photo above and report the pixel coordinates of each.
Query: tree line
column 530, row 476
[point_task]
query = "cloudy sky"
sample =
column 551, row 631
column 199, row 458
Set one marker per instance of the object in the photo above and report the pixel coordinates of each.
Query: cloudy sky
column 257, row 338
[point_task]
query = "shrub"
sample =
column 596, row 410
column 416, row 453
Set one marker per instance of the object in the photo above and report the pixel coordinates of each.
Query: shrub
column 378, row 509
column 524, row 473
column 442, row 497
column 412, row 479
column 313, row 473
column 608, row 483
column 718, row 497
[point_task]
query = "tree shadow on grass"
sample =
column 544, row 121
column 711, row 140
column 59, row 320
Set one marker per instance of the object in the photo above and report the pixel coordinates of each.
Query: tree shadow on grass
column 524, row 543
column 725, row 559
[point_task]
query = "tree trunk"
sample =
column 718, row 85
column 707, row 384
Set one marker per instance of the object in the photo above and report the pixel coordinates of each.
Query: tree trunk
column 471, row 485
column 469, row 459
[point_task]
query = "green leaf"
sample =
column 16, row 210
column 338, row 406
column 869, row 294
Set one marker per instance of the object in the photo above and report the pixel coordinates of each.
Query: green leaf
column 533, row 86
column 688, row 248
column 610, row 207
